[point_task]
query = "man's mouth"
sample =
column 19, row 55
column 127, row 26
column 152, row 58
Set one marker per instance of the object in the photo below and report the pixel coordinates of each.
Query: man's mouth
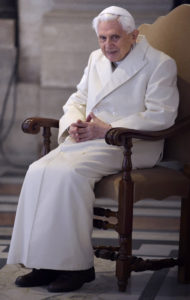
column 111, row 52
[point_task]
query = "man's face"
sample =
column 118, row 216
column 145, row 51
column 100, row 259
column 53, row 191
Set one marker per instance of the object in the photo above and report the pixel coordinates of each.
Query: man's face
column 114, row 42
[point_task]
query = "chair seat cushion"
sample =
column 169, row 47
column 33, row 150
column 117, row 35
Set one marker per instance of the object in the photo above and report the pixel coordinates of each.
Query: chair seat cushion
column 156, row 183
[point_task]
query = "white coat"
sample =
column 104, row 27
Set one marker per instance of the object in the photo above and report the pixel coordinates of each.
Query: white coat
column 54, row 217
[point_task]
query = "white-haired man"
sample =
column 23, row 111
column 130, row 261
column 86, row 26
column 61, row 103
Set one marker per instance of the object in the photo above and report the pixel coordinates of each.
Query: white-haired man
column 126, row 84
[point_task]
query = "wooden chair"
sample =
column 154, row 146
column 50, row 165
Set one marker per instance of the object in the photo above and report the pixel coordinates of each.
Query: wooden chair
column 171, row 35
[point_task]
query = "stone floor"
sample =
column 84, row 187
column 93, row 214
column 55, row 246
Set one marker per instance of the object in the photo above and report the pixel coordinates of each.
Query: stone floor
column 156, row 226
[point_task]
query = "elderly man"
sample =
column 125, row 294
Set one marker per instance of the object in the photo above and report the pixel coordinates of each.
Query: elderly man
column 126, row 84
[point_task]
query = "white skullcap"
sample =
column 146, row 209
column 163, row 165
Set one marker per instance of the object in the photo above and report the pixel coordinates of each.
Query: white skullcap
column 126, row 19
column 116, row 10
column 119, row 11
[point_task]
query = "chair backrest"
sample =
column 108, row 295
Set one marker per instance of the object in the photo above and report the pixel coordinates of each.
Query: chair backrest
column 171, row 34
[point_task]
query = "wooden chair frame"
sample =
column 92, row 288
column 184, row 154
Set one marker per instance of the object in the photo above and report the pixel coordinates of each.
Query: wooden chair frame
column 125, row 261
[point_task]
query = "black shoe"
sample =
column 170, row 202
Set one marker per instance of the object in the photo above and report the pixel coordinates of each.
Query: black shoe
column 69, row 281
column 37, row 278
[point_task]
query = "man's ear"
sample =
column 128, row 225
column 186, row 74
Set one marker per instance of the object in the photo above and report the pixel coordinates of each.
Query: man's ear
column 135, row 34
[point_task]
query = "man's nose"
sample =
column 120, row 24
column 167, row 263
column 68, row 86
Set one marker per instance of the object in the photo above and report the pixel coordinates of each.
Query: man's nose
column 108, row 42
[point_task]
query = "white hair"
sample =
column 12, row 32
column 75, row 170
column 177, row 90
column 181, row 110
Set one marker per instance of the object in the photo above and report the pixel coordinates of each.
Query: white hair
column 126, row 20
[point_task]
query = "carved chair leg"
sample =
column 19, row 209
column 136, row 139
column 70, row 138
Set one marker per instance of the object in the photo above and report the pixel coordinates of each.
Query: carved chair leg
column 122, row 263
column 184, row 243
column 125, row 220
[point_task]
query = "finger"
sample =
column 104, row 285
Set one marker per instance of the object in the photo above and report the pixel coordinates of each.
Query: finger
column 89, row 118
column 82, row 130
column 82, row 125
column 73, row 130
column 79, row 121
column 73, row 126
column 84, row 136
column 93, row 117
column 76, row 137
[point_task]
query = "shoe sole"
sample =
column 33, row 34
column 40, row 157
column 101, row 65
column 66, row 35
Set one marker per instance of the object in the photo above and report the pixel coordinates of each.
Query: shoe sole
column 62, row 290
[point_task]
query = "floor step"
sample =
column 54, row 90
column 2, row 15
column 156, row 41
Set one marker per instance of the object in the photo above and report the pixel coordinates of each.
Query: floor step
column 10, row 188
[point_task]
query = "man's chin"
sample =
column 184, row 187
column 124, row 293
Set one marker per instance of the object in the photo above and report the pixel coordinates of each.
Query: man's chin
column 112, row 58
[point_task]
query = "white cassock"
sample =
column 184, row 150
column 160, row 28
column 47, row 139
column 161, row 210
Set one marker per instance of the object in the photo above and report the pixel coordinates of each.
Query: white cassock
column 53, row 223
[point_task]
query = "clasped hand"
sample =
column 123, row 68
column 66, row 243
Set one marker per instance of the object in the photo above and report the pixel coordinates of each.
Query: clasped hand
column 92, row 128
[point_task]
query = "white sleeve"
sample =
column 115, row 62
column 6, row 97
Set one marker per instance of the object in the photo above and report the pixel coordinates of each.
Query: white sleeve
column 75, row 107
column 161, row 101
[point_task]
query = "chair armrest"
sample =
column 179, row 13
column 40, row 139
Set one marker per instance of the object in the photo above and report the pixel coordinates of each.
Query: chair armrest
column 32, row 125
column 123, row 137
column 119, row 135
